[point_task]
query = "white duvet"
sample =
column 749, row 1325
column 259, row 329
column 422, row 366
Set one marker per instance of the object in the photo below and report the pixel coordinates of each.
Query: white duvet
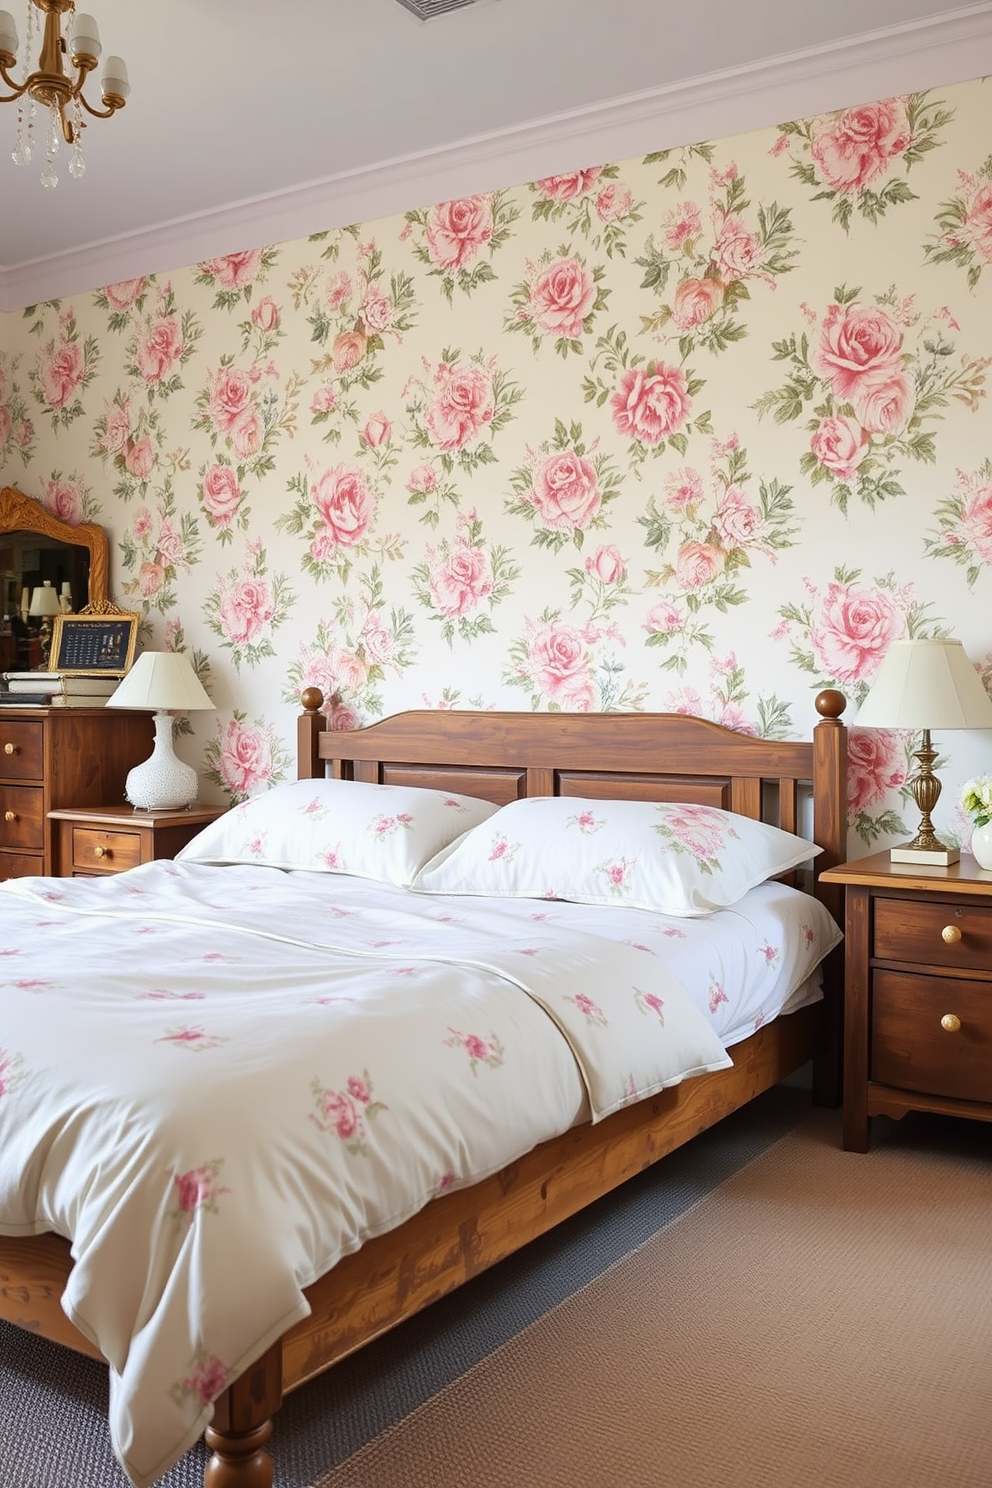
column 218, row 1081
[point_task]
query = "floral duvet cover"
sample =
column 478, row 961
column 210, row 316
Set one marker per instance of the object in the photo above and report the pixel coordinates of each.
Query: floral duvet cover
column 217, row 1081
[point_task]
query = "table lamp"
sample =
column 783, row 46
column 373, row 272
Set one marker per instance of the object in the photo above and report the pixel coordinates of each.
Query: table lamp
column 926, row 685
column 45, row 604
column 165, row 682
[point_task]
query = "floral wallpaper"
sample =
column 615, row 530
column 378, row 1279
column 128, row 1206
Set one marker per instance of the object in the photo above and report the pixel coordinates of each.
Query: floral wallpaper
column 703, row 430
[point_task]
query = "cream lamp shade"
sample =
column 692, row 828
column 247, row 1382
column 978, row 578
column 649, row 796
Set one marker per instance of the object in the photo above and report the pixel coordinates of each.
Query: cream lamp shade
column 44, row 600
column 924, row 685
column 165, row 683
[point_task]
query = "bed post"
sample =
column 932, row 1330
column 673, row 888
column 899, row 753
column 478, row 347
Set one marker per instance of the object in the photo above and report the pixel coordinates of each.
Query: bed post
column 242, row 1425
column 309, row 727
column 830, row 815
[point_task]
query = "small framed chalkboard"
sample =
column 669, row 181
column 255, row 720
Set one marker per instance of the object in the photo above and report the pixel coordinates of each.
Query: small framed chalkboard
column 94, row 643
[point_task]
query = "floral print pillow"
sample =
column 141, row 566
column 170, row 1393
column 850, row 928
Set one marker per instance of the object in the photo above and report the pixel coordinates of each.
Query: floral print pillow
column 385, row 832
column 676, row 859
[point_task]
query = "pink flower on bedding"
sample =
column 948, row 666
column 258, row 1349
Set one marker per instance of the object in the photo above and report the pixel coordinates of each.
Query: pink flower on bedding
column 809, row 936
column 315, row 808
column 772, row 955
column 650, row 1002
column 586, row 821
column 344, row 1111
column 160, row 994
column 10, row 951
column 444, row 1183
column 384, row 826
column 502, row 849
column 206, row 1379
column 697, row 830
column 198, row 1189
column 32, row 984
column 618, row 871
column 717, row 994
column 10, row 1068
column 590, row 1010
column 479, row 1050
column 190, row 1037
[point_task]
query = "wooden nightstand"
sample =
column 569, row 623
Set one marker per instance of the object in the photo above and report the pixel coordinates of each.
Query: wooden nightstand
column 917, row 991
column 95, row 840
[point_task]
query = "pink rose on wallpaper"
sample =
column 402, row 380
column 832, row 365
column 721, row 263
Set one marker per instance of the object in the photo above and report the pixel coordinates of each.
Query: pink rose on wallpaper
column 376, row 310
column 559, row 666
column 62, row 374
column 344, row 504
column 565, row 491
column 266, row 314
column 350, row 671
column 64, row 499
column 377, row 640
column 853, row 149
column 683, row 488
column 459, row 583
column 738, row 522
column 324, row 400
column 246, row 434
column 235, row 270
column 839, row 444
column 456, row 230
column 118, row 431
column 976, row 523
column 341, row 717
column 245, row 609
column 221, row 494
column 649, row 406
column 613, row 201
column 244, row 759
column 680, row 225
column 853, row 631
column 151, row 577
column 695, row 301
column 696, row 564
column 875, row 766
column 159, row 349
column 977, row 227
column 606, row 565
column 171, row 546
column 422, row 479
column 5, row 425
column 378, row 431
column 124, row 293
column 663, row 618
column 884, row 404
column 858, row 344
column 562, row 296
column 139, row 458
column 338, row 289
column 736, row 252
column 567, row 187
column 142, row 524
column 463, row 406
column 348, row 349
column 230, row 397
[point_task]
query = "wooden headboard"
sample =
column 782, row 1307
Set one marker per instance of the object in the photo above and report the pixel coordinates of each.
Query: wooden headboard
column 632, row 756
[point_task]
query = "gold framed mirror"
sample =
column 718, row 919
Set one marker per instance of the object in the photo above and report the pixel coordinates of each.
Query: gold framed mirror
column 39, row 552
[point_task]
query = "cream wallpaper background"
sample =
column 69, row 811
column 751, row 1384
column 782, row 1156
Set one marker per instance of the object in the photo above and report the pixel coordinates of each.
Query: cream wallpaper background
column 703, row 430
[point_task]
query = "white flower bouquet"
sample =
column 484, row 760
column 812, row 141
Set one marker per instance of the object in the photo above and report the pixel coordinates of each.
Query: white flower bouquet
column 976, row 798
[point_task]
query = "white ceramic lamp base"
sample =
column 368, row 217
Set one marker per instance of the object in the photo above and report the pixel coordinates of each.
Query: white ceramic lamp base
column 163, row 782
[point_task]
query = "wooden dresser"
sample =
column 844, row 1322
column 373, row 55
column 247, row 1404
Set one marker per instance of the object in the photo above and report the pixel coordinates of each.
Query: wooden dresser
column 51, row 757
column 917, row 991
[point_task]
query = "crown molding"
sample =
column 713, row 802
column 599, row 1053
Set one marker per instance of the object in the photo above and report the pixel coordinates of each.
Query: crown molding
column 933, row 52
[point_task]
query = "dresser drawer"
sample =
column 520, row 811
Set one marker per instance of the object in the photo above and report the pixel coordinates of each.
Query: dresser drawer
column 96, row 850
column 22, row 753
column 912, row 1051
column 20, row 865
column 913, row 930
column 22, row 816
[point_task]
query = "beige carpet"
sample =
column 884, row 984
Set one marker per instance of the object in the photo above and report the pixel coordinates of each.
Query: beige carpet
column 821, row 1320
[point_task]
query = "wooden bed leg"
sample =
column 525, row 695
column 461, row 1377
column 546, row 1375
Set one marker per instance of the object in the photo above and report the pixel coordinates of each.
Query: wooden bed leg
column 242, row 1425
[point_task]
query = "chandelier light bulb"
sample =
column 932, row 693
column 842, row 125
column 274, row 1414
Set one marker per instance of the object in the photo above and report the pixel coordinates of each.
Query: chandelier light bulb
column 51, row 86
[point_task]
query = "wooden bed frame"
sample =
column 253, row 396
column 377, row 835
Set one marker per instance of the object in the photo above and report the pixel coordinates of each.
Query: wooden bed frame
column 501, row 756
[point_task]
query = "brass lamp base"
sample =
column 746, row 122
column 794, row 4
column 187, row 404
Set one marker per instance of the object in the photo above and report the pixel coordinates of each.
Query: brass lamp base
column 926, row 846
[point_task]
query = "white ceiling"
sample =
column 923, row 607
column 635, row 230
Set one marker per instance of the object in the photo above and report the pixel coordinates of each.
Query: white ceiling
column 254, row 122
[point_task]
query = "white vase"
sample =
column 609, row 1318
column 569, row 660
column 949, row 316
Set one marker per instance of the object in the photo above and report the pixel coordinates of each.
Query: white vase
column 981, row 845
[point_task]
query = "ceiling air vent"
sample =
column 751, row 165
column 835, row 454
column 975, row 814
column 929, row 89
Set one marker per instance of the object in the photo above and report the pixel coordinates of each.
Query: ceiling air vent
column 429, row 10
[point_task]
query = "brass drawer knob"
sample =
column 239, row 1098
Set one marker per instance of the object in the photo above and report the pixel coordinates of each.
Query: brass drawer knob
column 950, row 1022
column 10, row 749
column 100, row 852
column 950, row 934
column 10, row 816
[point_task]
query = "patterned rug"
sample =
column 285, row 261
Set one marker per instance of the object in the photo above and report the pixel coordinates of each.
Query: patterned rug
column 53, row 1404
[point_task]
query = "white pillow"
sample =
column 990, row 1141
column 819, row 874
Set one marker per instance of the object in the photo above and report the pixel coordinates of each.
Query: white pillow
column 386, row 832
column 675, row 859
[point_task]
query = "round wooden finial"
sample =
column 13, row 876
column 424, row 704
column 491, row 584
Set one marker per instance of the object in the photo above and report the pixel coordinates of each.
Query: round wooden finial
column 829, row 703
column 313, row 699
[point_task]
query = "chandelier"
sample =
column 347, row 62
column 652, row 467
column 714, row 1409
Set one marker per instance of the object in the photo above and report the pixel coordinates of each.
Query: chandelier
column 50, row 87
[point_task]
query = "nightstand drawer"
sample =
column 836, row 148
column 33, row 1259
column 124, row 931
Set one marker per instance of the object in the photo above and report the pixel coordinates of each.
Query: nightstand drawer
column 22, row 816
column 913, row 930
column 22, row 754
column 96, row 850
column 911, row 1049
column 21, row 865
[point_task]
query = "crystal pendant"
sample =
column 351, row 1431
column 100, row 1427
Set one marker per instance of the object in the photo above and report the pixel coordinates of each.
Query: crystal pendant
column 48, row 176
column 77, row 165
column 22, row 155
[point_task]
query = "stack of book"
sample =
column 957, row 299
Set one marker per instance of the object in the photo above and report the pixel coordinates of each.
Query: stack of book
column 56, row 689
